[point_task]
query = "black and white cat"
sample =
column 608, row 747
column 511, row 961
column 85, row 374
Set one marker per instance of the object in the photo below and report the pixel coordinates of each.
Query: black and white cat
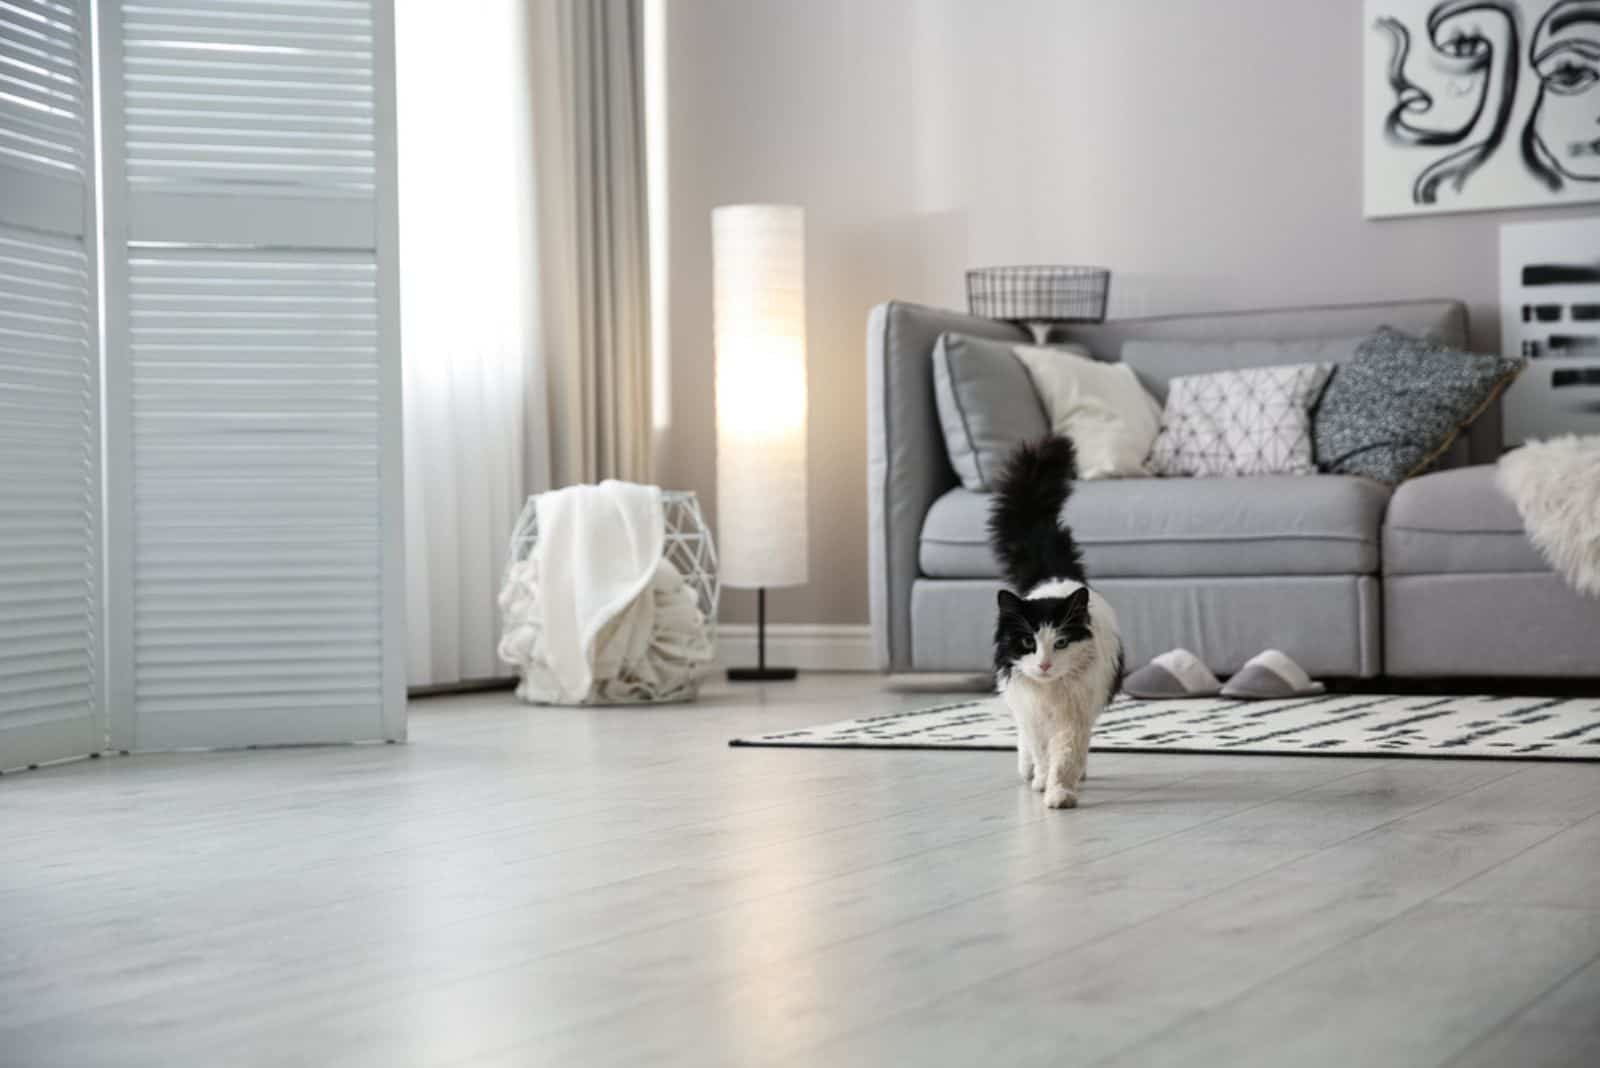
column 1057, row 649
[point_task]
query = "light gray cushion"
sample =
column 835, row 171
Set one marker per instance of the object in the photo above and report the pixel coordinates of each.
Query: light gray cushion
column 987, row 405
column 1455, row 522
column 1158, row 362
column 1268, row 525
column 1443, row 319
column 1394, row 409
column 1328, row 623
column 1501, row 625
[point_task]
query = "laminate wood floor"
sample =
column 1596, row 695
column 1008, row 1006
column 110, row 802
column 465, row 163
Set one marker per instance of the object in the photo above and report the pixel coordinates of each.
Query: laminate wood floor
column 522, row 886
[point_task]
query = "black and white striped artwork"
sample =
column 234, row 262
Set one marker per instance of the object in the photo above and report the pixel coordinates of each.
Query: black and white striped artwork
column 1547, row 728
column 1550, row 316
column 1476, row 104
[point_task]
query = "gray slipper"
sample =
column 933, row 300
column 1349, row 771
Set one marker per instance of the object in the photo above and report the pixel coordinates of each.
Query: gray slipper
column 1176, row 674
column 1269, row 675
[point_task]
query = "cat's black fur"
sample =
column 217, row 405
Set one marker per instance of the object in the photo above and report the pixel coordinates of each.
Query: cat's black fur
column 1025, row 530
column 1033, row 547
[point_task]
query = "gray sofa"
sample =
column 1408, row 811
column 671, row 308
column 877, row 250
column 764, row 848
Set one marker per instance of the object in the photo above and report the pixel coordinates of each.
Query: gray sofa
column 1350, row 579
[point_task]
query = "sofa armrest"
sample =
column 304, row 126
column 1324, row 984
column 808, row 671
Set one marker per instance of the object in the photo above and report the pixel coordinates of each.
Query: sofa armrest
column 907, row 466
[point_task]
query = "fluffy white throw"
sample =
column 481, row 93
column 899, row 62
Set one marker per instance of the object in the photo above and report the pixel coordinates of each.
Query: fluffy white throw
column 1556, row 487
column 597, row 614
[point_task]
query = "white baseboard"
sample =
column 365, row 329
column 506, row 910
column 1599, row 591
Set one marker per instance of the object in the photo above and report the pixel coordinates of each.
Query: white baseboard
column 807, row 646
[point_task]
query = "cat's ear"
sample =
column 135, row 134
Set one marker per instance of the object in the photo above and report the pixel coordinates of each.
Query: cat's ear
column 1010, row 603
column 1077, row 604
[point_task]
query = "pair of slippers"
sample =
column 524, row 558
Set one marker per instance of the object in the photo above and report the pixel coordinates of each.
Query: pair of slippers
column 1180, row 673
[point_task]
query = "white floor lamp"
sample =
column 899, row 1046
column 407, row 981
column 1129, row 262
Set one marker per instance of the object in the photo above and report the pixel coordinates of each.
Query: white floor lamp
column 760, row 304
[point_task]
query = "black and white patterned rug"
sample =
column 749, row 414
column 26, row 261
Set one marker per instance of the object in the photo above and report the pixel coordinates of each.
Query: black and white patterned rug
column 1551, row 728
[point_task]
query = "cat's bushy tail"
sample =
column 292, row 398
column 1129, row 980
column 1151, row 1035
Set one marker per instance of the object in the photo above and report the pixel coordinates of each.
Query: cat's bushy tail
column 1025, row 530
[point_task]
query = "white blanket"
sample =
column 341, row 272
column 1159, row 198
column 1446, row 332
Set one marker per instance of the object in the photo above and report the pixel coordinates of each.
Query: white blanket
column 597, row 550
column 1556, row 487
column 597, row 614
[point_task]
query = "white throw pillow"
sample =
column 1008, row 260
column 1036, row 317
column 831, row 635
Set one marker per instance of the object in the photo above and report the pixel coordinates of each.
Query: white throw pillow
column 1101, row 406
column 1248, row 422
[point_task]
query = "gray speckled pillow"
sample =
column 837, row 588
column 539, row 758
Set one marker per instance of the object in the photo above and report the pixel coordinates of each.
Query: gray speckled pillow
column 1392, row 410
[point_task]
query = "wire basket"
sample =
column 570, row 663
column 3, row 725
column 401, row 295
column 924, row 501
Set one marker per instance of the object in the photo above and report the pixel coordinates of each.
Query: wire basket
column 687, row 546
column 1039, row 293
column 682, row 642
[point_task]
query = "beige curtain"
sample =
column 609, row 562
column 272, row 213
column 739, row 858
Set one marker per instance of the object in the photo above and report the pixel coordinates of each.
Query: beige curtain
column 592, row 237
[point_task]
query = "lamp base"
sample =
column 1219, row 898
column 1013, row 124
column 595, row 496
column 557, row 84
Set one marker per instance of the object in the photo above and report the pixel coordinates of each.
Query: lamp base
column 761, row 674
column 1042, row 329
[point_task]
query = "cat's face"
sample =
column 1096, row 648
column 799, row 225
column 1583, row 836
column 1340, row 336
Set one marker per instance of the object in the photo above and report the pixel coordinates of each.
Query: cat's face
column 1044, row 637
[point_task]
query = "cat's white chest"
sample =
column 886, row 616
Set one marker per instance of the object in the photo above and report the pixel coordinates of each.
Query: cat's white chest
column 1041, row 704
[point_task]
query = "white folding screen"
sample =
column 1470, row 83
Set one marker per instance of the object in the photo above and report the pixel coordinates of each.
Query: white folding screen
column 49, row 399
column 252, row 373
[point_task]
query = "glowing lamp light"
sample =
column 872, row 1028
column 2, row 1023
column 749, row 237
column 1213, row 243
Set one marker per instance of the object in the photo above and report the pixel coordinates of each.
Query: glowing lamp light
column 758, row 252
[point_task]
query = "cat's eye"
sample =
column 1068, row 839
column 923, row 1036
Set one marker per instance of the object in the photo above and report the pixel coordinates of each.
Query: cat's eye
column 1061, row 643
column 1026, row 645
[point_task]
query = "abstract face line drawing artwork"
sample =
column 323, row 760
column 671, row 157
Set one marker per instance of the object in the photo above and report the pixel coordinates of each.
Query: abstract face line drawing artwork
column 1550, row 316
column 1565, row 55
column 1468, row 70
column 1478, row 104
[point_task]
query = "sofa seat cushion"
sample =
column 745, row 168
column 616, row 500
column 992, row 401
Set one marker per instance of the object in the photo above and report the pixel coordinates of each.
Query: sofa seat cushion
column 1186, row 527
column 1456, row 522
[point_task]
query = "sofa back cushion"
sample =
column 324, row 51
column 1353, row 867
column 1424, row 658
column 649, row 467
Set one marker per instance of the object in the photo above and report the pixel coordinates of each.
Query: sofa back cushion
column 1445, row 320
column 987, row 405
column 1158, row 362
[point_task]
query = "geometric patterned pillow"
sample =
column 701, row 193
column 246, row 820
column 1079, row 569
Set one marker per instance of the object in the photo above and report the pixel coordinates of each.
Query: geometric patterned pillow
column 1391, row 411
column 1255, row 421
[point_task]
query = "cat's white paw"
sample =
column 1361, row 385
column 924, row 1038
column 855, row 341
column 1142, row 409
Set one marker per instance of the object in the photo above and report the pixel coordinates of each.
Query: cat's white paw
column 1038, row 782
column 1060, row 797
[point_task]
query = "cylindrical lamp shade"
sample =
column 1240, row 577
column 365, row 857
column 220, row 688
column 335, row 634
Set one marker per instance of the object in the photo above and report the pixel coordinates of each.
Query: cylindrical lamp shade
column 759, row 299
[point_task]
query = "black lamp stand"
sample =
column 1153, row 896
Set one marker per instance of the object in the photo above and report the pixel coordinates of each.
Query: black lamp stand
column 761, row 672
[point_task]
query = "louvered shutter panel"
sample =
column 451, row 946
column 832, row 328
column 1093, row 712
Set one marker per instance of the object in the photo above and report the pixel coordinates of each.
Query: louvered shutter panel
column 49, row 400
column 252, row 372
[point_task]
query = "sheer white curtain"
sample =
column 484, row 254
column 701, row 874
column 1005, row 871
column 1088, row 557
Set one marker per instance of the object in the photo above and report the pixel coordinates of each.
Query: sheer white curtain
column 475, row 408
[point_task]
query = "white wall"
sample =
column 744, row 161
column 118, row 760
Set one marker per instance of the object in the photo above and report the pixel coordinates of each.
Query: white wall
column 1208, row 152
